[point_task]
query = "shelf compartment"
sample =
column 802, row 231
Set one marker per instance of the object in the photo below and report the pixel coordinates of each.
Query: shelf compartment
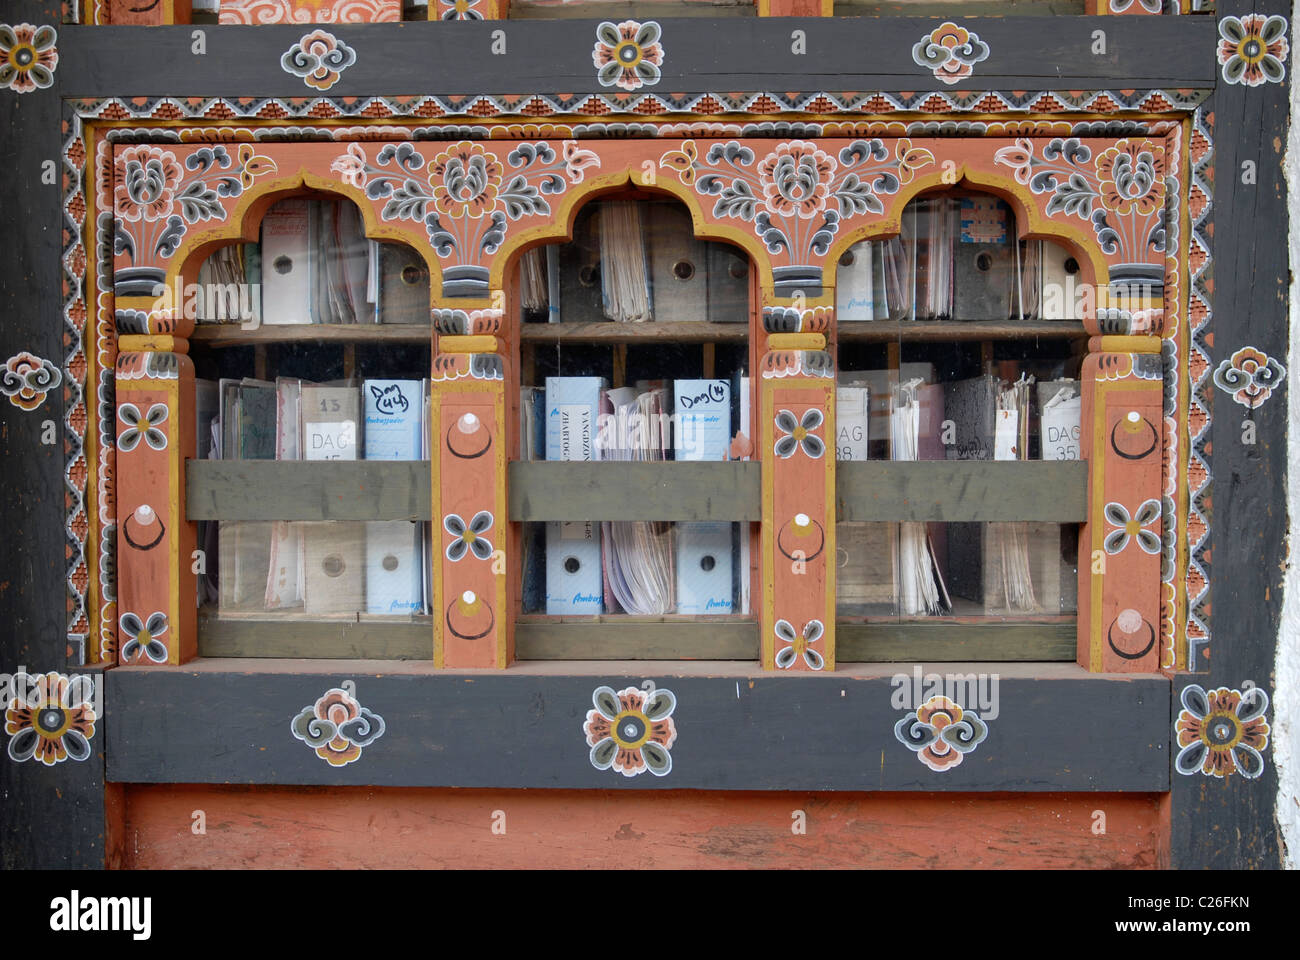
column 888, row 331
column 1048, row 491
column 308, row 490
column 940, row 640
column 233, row 335
column 636, row 638
column 621, row 490
column 691, row 331
column 269, row 636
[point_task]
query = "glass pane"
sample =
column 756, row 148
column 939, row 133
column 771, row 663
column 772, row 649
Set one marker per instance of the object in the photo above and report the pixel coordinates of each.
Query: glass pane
column 585, row 568
column 318, row 569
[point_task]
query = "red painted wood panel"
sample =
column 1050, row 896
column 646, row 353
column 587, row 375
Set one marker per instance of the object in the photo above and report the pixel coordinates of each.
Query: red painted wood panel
column 359, row 827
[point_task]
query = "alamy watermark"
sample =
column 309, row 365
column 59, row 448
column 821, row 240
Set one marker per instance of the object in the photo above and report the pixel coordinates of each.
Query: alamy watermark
column 973, row 691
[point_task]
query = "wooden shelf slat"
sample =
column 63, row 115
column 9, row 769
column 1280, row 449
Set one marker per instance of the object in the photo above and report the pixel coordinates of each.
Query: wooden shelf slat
column 1048, row 491
column 308, row 490
column 883, row 331
column 623, row 490
column 291, row 638
column 944, row 641
column 691, row 331
column 232, row 335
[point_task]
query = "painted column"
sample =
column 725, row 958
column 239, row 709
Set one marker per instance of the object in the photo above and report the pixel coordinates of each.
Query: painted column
column 471, row 612
column 796, row 387
column 156, row 560
column 1120, row 546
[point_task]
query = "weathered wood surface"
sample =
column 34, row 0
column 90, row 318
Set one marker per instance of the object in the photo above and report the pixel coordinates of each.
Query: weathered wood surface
column 1229, row 822
column 634, row 638
column 381, row 828
column 307, row 490
column 50, row 816
column 923, row 331
column 669, row 490
column 686, row 331
column 742, row 732
column 962, row 490
column 232, row 335
column 968, row 642
column 318, row 639
column 711, row 54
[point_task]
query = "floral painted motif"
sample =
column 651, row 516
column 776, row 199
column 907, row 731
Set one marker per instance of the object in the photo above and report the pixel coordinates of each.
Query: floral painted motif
column 135, row 429
column 26, row 379
column 52, row 721
column 1123, row 6
column 156, row 198
column 459, row 10
column 1132, row 527
column 465, row 179
column 628, row 54
column 795, row 320
column 795, row 179
column 337, row 727
column 1222, row 732
column 1250, row 376
column 797, row 196
column 950, row 52
column 318, row 59
column 1253, row 49
column 941, row 732
column 799, row 644
column 1120, row 195
column 469, row 537
column 632, row 730
column 28, row 57
column 797, row 432
column 141, row 637
column 467, row 196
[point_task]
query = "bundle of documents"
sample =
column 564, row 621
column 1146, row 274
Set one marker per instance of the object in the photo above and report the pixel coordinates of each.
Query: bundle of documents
column 625, row 284
column 637, row 556
column 533, row 281
column 1011, row 540
column 1050, row 286
column 922, row 588
column 229, row 285
column 573, row 564
column 702, row 431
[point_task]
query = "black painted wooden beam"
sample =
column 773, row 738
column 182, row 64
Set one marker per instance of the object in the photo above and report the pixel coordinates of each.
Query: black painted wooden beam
column 700, row 55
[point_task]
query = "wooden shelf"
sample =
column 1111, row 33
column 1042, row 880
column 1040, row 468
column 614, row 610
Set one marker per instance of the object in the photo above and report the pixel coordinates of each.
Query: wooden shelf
column 611, row 332
column 885, row 331
column 232, row 335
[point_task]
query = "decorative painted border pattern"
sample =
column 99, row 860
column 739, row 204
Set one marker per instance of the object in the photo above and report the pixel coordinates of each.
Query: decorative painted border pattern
column 309, row 11
column 1173, row 526
column 484, row 106
column 1199, row 371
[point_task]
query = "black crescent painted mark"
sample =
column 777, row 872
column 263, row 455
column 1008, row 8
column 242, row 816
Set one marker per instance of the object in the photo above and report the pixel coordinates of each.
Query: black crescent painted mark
column 1110, row 639
column 468, row 456
column 126, row 532
column 1155, row 441
column 812, row 556
column 492, row 622
column 144, row 9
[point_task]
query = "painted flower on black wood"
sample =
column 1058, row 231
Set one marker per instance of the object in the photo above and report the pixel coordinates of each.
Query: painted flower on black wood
column 1250, row 376
column 628, row 54
column 53, row 722
column 1253, row 49
column 941, row 732
column 26, row 379
column 27, row 57
column 1222, row 732
column 337, row 727
column 631, row 730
